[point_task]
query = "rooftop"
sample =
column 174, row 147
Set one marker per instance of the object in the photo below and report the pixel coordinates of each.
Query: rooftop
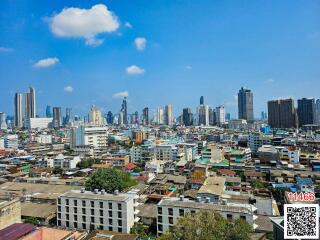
column 122, row 197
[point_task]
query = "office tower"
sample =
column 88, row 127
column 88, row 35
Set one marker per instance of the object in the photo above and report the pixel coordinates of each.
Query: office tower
column 30, row 103
column 57, row 117
column 281, row 113
column 95, row 116
column 109, row 117
column 228, row 116
column 18, row 117
column 68, row 117
column 168, row 115
column 264, row 115
column 3, row 124
column 159, row 118
column 220, row 113
column 48, row 112
column 245, row 104
column 187, row 117
column 145, row 115
column 317, row 110
column 136, row 117
column 203, row 115
column 306, row 111
column 201, row 100
column 120, row 118
column 124, row 111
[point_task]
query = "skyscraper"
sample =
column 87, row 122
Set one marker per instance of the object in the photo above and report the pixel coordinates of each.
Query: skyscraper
column 203, row 115
column 68, row 116
column 3, row 123
column 57, row 117
column 281, row 113
column 159, row 119
column 30, row 103
column 145, row 116
column 109, row 117
column 95, row 116
column 306, row 111
column 201, row 100
column 220, row 113
column 245, row 104
column 317, row 110
column 124, row 111
column 48, row 112
column 187, row 117
column 18, row 117
column 168, row 115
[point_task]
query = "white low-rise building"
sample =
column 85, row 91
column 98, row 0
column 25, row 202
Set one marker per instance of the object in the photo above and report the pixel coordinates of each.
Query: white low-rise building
column 79, row 209
column 38, row 123
column 170, row 209
column 44, row 139
column 65, row 162
column 94, row 136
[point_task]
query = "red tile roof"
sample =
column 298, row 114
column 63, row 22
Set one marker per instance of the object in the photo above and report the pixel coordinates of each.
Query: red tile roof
column 130, row 166
column 16, row 231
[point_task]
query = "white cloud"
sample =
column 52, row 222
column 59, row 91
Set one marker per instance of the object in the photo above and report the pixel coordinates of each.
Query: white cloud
column 270, row 80
column 140, row 43
column 68, row 89
column 128, row 25
column 5, row 49
column 121, row 94
column 134, row 70
column 47, row 62
column 84, row 23
column 188, row 67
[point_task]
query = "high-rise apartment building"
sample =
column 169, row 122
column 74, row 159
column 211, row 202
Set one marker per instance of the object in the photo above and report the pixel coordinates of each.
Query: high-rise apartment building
column 95, row 116
column 145, row 116
column 203, row 115
column 245, row 104
column 160, row 117
column 221, row 114
column 317, row 110
column 168, row 115
column 68, row 117
column 30, row 103
column 57, row 117
column 18, row 116
column 187, row 117
column 3, row 123
column 306, row 111
column 48, row 112
column 281, row 113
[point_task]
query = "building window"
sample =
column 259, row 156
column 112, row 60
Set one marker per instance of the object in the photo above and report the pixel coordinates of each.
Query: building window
column 59, row 208
column 159, row 210
column 83, row 211
column 119, row 206
column 75, row 217
column 67, row 216
column 84, row 226
column 101, row 204
column 119, row 214
column 75, row 202
column 243, row 217
column 92, row 211
column 160, row 219
column 192, row 211
column 67, row 209
column 92, row 219
column 110, row 205
column 119, row 229
column 119, row 222
column 110, row 213
column 59, row 215
column 229, row 217
column 170, row 220
column 59, row 223
column 110, row 228
column 83, row 203
column 67, row 224
column 59, row 200
column 181, row 212
column 170, row 211
column 160, row 228
column 83, row 218
column 92, row 203
column 101, row 212
column 75, row 210
column 101, row 227
column 101, row 220
column 75, row 224
column 110, row 221
column 67, row 201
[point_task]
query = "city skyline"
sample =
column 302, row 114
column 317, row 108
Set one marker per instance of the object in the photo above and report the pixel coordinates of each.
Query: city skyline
column 140, row 55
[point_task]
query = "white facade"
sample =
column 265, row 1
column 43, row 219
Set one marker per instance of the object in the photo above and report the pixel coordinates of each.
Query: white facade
column 95, row 116
column 65, row 162
column 220, row 114
column 166, row 152
column 203, row 115
column 11, row 142
column 256, row 140
column 292, row 156
column 44, row 139
column 170, row 209
column 40, row 123
column 79, row 209
column 93, row 136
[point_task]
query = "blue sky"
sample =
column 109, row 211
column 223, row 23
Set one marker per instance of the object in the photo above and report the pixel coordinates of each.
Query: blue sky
column 188, row 49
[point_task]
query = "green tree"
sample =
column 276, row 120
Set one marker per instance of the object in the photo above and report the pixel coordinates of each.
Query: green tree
column 141, row 230
column 110, row 180
column 31, row 220
column 57, row 170
column 206, row 225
